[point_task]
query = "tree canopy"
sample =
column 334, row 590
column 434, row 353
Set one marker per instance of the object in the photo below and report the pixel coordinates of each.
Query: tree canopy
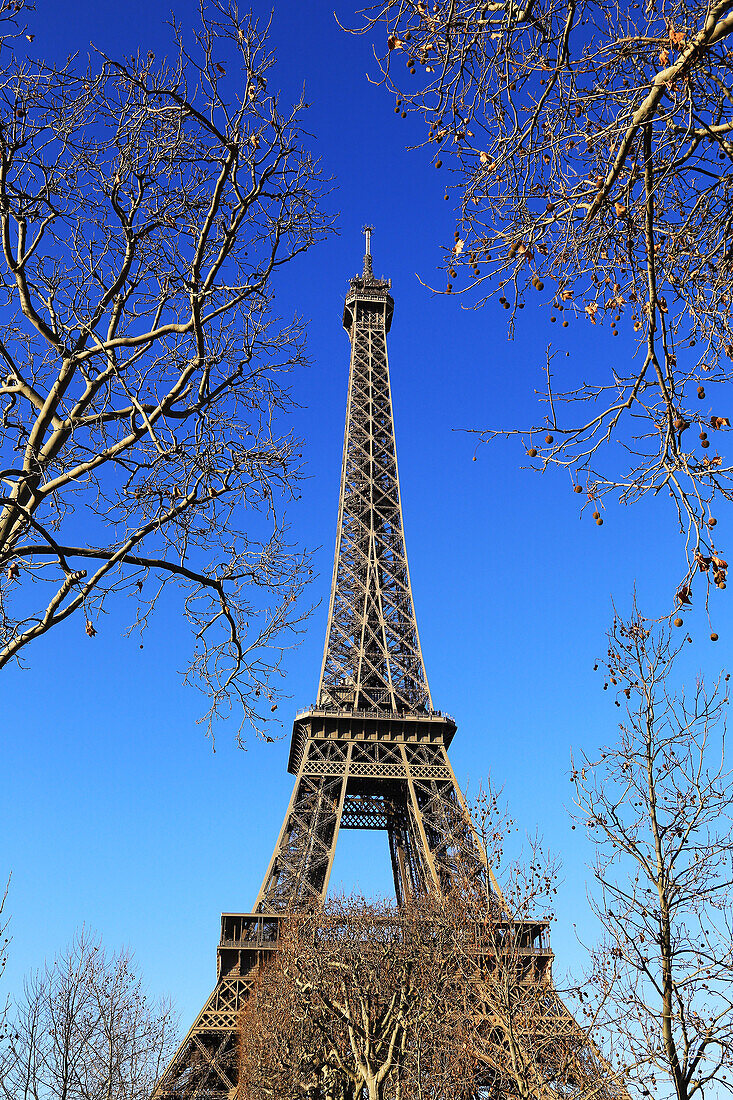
column 145, row 208
column 587, row 147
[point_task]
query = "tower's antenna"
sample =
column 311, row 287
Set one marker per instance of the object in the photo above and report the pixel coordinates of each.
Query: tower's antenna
column 368, row 272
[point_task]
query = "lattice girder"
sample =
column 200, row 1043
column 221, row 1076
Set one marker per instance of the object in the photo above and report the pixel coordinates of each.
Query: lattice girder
column 372, row 657
column 205, row 1065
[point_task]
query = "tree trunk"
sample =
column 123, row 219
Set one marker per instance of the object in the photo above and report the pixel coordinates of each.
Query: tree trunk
column 374, row 1087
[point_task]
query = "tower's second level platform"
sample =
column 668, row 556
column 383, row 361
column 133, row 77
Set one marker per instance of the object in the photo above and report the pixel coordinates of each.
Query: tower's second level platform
column 339, row 724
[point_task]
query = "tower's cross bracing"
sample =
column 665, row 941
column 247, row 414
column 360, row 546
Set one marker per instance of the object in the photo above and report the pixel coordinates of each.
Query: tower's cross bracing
column 372, row 657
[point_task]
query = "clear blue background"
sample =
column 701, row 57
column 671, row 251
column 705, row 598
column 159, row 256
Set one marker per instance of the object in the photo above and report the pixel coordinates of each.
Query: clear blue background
column 115, row 811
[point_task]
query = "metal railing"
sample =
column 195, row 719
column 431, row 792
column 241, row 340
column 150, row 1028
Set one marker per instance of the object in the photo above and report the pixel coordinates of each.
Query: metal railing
column 352, row 712
column 521, row 937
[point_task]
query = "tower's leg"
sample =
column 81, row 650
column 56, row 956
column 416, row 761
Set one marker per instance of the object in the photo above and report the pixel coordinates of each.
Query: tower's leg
column 449, row 847
column 301, row 863
column 205, row 1066
column 402, row 849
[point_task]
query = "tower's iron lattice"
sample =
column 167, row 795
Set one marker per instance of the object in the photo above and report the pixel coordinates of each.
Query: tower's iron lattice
column 372, row 753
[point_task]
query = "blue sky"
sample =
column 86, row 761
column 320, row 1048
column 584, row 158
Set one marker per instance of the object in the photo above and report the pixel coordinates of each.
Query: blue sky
column 117, row 813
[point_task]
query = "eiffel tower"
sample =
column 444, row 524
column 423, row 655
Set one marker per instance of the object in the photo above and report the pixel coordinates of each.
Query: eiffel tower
column 372, row 753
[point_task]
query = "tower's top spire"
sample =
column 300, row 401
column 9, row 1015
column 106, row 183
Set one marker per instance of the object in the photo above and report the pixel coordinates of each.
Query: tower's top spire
column 366, row 287
column 368, row 272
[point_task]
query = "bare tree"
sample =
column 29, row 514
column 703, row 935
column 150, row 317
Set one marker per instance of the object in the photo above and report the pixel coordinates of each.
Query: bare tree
column 283, row 1054
column 657, row 804
column 508, row 1013
column 589, row 147
column 145, row 208
column 85, row 1030
column 337, row 1013
column 445, row 996
column 4, row 941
